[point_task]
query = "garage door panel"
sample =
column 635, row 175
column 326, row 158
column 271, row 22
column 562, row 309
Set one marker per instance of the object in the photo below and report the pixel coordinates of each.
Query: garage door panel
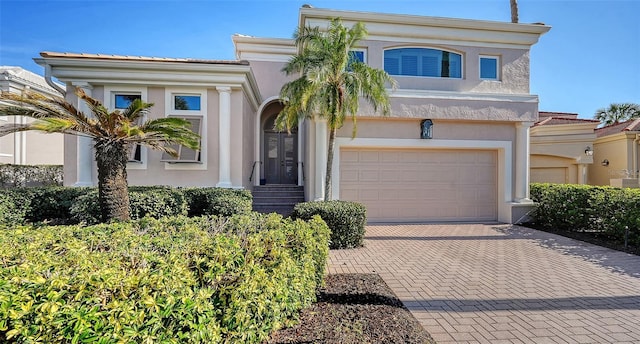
column 421, row 185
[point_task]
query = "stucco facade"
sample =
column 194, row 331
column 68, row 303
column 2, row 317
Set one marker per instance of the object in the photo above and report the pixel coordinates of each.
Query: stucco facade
column 28, row 148
column 616, row 155
column 480, row 125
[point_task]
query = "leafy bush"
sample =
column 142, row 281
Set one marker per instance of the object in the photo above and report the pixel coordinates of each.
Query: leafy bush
column 601, row 210
column 13, row 208
column 152, row 201
column 174, row 280
column 345, row 219
column 217, row 201
column 29, row 175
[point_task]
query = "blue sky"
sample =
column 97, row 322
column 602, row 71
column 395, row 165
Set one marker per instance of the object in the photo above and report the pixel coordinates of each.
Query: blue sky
column 589, row 59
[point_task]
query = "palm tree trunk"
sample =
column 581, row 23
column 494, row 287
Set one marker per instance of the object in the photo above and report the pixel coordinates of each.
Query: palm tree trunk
column 514, row 11
column 327, row 181
column 113, row 195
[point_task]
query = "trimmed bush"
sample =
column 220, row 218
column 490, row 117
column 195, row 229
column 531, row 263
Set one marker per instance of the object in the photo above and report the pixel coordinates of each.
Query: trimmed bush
column 175, row 280
column 345, row 219
column 217, row 201
column 152, row 201
column 601, row 210
column 30, row 175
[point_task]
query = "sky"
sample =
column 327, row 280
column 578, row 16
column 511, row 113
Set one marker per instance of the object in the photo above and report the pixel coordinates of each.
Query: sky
column 589, row 59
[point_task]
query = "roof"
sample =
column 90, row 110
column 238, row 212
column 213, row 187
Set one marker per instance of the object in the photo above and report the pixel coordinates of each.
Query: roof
column 25, row 77
column 630, row 125
column 558, row 118
column 50, row 54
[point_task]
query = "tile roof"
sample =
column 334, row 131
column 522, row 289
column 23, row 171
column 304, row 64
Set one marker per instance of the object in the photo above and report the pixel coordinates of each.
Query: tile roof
column 138, row 58
column 556, row 118
column 630, row 125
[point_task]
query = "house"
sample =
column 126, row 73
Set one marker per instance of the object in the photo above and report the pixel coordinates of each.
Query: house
column 561, row 148
column 616, row 155
column 28, row 148
column 467, row 80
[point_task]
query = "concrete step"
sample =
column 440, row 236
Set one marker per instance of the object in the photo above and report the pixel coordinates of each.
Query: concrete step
column 277, row 198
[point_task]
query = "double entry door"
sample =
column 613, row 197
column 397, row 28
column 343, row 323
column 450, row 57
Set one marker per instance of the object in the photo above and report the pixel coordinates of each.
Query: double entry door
column 281, row 158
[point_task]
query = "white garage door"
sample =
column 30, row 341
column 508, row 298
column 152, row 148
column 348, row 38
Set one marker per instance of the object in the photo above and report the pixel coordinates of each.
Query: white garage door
column 404, row 185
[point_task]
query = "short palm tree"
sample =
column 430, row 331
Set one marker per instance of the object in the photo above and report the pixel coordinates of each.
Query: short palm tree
column 617, row 113
column 330, row 83
column 113, row 133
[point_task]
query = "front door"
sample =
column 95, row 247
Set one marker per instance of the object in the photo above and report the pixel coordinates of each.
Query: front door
column 281, row 158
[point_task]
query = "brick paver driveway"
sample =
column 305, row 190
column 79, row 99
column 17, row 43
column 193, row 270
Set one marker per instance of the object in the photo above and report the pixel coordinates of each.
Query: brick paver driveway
column 500, row 283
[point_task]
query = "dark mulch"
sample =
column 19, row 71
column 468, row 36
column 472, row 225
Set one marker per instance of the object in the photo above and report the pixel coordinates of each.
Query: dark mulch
column 595, row 238
column 354, row 308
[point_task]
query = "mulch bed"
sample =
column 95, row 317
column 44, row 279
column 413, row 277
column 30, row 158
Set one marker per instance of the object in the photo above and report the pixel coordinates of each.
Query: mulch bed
column 354, row 308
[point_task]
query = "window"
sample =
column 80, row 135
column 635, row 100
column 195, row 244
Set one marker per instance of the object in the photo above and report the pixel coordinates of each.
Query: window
column 186, row 102
column 355, row 56
column 122, row 101
column 423, row 62
column 185, row 154
column 489, row 67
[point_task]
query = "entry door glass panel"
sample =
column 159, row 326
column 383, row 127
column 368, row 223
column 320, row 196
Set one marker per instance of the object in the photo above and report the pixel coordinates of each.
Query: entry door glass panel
column 272, row 161
column 281, row 158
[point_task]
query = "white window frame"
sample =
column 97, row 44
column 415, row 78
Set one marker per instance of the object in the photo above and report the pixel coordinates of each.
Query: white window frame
column 110, row 93
column 462, row 54
column 364, row 54
column 496, row 58
column 202, row 113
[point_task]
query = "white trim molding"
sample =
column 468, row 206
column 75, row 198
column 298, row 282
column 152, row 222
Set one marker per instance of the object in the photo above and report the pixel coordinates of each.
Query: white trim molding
column 503, row 148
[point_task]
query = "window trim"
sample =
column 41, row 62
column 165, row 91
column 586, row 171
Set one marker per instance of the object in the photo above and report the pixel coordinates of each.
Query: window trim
column 172, row 160
column 496, row 58
column 462, row 61
column 201, row 114
column 110, row 93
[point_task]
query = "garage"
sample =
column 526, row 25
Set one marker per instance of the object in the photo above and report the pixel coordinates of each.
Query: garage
column 556, row 175
column 419, row 185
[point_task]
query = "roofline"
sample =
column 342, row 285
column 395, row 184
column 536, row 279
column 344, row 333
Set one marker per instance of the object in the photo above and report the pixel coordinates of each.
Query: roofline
column 49, row 54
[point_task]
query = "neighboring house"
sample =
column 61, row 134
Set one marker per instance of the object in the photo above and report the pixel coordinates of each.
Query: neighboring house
column 616, row 155
column 28, row 148
column 561, row 148
column 466, row 82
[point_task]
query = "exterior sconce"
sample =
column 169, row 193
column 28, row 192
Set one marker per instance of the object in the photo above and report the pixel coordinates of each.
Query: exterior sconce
column 588, row 151
column 605, row 162
column 426, row 127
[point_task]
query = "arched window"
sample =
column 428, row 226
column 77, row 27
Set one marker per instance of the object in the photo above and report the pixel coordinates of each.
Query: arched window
column 423, row 62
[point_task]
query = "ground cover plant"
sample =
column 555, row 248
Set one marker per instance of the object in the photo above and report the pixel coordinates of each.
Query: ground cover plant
column 603, row 215
column 174, row 280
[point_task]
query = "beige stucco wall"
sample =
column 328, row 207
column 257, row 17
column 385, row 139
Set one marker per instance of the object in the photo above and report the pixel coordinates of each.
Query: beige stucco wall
column 269, row 77
column 618, row 150
column 553, row 169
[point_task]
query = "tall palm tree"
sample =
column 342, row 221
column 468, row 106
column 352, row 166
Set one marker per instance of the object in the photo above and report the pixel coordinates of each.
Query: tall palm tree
column 617, row 113
column 514, row 10
column 331, row 82
column 113, row 133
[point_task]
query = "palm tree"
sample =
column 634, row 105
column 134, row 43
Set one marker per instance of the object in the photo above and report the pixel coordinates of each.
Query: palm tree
column 617, row 113
column 514, row 10
column 113, row 133
column 331, row 82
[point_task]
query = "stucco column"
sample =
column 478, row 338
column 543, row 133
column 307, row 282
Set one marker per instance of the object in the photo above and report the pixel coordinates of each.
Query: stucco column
column 84, row 160
column 321, row 158
column 224, row 137
column 522, row 162
column 582, row 174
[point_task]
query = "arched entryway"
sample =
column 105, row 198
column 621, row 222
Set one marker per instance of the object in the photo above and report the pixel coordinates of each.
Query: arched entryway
column 280, row 150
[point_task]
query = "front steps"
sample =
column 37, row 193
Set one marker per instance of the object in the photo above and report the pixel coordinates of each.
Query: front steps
column 277, row 198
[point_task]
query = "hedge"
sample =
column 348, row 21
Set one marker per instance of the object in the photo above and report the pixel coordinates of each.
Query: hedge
column 69, row 205
column 601, row 210
column 174, row 280
column 30, row 175
column 345, row 219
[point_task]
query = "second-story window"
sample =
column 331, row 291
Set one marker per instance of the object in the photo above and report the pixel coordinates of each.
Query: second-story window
column 489, row 67
column 423, row 62
column 355, row 56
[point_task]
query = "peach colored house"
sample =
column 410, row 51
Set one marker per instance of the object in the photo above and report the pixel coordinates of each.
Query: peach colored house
column 468, row 80
column 616, row 156
column 561, row 148
column 28, row 148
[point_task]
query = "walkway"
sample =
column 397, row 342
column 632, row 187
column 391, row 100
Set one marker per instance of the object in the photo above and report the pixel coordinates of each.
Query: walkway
column 503, row 284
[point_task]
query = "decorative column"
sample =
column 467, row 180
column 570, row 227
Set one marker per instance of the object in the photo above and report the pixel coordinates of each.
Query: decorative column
column 301, row 147
column 224, row 137
column 321, row 158
column 522, row 162
column 582, row 174
column 84, row 160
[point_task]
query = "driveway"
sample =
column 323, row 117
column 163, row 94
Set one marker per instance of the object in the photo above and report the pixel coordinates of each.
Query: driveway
column 475, row 283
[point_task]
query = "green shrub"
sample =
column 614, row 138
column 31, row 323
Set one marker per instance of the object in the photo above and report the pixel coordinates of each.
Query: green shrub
column 13, row 208
column 30, row 175
column 601, row 210
column 345, row 219
column 217, row 201
column 152, row 201
column 174, row 280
